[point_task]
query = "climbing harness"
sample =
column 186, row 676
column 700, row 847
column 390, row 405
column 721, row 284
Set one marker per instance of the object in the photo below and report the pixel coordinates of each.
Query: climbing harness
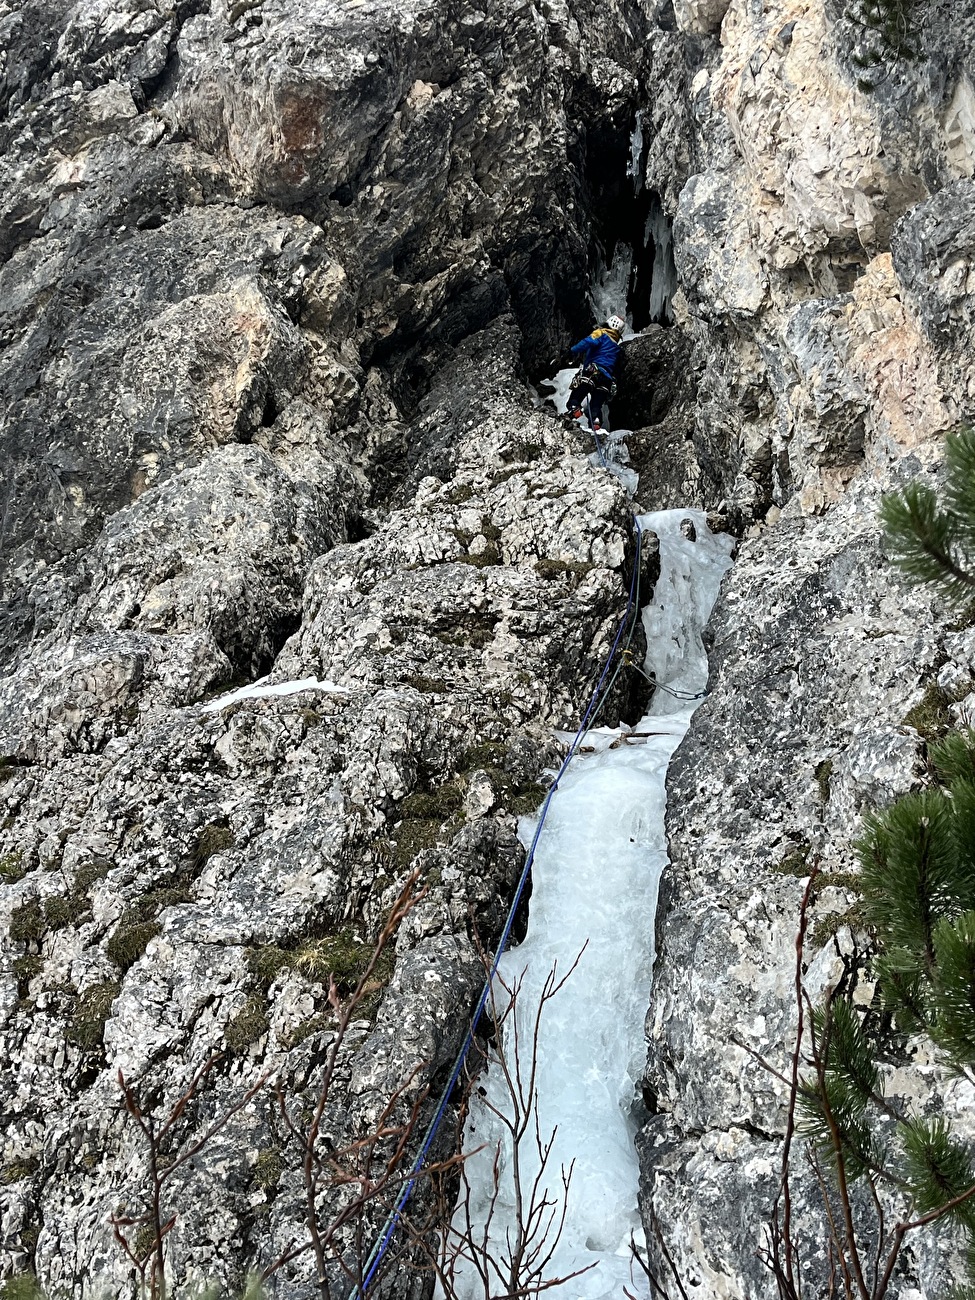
column 622, row 641
column 591, row 377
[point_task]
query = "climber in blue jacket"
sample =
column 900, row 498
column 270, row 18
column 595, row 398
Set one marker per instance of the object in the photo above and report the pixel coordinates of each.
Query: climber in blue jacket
column 598, row 352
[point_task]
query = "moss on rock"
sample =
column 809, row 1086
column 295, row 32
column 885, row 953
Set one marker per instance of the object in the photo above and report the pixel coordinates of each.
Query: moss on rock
column 27, row 922
column 12, row 867
column 86, row 1028
column 129, row 942
column 930, row 717
column 215, row 837
column 248, row 1025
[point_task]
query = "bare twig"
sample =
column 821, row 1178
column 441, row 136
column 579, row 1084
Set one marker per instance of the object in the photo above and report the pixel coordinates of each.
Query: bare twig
column 153, row 1260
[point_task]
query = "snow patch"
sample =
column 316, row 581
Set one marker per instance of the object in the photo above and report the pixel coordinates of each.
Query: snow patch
column 257, row 690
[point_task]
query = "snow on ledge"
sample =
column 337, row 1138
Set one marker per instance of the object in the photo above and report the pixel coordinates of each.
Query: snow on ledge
column 258, row 689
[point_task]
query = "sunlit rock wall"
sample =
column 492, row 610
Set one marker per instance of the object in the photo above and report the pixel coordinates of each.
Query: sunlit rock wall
column 823, row 239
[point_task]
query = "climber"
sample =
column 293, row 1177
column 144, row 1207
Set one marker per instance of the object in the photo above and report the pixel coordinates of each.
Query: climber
column 599, row 352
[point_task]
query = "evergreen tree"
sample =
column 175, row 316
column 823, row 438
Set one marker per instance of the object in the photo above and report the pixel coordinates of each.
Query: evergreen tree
column 932, row 540
column 917, row 879
column 886, row 36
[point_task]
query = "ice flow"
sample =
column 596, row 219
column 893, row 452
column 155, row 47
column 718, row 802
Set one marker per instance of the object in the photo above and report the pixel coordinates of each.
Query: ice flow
column 595, row 877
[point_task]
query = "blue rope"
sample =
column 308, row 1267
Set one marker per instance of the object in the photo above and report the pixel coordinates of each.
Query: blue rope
column 596, row 701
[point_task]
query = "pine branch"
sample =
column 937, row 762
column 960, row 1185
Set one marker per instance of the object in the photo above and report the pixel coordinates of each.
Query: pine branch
column 911, row 874
column 939, row 1170
column 953, row 758
column 903, row 987
column 953, row 993
column 924, row 540
column 960, row 485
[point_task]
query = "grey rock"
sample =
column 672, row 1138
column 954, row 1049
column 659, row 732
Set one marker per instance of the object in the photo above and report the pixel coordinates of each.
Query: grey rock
column 271, row 286
column 933, row 248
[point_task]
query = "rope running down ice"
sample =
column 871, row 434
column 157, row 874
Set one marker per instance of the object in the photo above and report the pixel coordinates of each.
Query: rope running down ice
column 598, row 698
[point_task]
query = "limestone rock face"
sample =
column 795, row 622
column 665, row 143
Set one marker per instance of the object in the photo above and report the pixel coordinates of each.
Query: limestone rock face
column 272, row 279
column 276, row 283
column 783, row 235
column 700, row 17
column 823, row 245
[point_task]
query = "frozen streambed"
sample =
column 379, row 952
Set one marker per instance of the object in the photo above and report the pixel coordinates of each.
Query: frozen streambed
column 595, row 879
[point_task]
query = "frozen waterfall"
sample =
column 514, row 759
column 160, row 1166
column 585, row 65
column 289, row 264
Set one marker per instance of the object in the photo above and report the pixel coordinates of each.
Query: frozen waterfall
column 610, row 288
column 663, row 282
column 595, row 878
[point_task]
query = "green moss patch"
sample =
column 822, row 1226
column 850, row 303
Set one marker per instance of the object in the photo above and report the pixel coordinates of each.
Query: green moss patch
column 27, row 922
column 144, row 1241
column 525, row 799
column 517, row 797
column 522, row 449
column 17, row 1170
column 824, row 773
column 486, row 755
column 12, row 867
column 827, row 927
column 35, row 918
column 215, row 837
column 60, row 912
column 86, row 1028
column 138, row 924
column 440, row 803
column 343, row 956
column 412, row 836
column 930, row 717
column 489, row 558
column 26, row 967
column 475, row 630
column 555, row 568
column 963, row 620
column 429, row 685
column 89, row 873
column 248, row 1025
column 313, row 1025
column 795, row 862
column 268, row 1168
column 129, row 942
column 24, row 1286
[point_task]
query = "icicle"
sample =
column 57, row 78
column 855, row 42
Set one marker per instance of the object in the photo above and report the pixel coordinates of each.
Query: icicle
column 635, row 166
column 663, row 277
column 608, row 292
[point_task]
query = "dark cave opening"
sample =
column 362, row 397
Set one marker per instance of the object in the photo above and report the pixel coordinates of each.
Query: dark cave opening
column 631, row 247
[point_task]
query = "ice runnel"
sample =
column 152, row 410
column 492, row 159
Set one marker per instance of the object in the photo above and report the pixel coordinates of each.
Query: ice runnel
column 595, row 876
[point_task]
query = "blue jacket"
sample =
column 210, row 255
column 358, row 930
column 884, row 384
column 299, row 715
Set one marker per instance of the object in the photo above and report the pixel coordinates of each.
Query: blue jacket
column 599, row 348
